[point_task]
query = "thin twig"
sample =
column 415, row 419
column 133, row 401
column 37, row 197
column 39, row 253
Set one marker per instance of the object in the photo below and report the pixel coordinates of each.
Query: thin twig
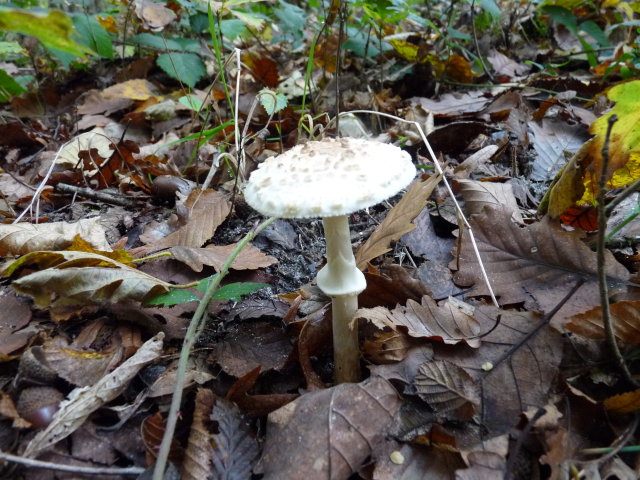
column 189, row 340
column 97, row 195
column 623, row 195
column 30, row 462
column 603, row 288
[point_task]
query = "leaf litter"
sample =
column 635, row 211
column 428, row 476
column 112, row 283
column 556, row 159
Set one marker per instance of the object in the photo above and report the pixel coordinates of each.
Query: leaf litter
column 454, row 387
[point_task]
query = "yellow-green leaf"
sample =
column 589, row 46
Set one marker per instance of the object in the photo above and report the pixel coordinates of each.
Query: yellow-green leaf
column 54, row 30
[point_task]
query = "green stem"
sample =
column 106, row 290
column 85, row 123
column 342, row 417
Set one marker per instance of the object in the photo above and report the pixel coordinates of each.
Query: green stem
column 189, row 340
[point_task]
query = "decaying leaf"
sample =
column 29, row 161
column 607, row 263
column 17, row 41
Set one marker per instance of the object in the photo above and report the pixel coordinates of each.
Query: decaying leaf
column 16, row 314
column 445, row 387
column 328, row 433
column 207, row 210
column 197, row 456
column 479, row 194
column 78, row 367
column 397, row 222
column 578, row 181
column 624, row 403
column 84, row 401
column 236, row 451
column 257, row 344
column 79, row 278
column 537, row 264
column 625, row 317
column 448, row 323
column 250, row 257
column 515, row 374
column 23, row 238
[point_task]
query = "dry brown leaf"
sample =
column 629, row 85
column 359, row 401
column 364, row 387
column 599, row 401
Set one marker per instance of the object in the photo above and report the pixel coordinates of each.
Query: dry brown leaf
column 23, row 238
column 447, row 323
column 445, row 387
column 514, row 375
column 250, row 257
column 197, row 456
column 236, row 451
column 79, row 367
column 328, row 434
column 78, row 279
column 397, row 222
column 625, row 317
column 537, row 264
column 256, row 344
column 207, row 210
column 478, row 194
column 84, row 401
column 138, row 89
column 404, row 461
column 16, row 314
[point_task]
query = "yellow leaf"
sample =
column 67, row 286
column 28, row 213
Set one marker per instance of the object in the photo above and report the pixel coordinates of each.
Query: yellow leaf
column 624, row 403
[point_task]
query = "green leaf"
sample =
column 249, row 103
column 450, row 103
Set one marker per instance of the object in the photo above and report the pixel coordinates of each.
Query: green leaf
column 563, row 16
column 155, row 41
column 53, row 30
column 93, row 35
column 192, row 102
column 9, row 87
column 292, row 18
column 11, row 49
column 173, row 297
column 185, row 67
column 232, row 28
column 491, row 8
column 271, row 101
column 233, row 291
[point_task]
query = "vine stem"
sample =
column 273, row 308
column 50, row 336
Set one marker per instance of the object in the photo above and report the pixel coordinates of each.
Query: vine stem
column 189, row 340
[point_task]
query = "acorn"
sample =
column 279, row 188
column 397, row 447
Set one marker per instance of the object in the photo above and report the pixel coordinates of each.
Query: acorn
column 38, row 405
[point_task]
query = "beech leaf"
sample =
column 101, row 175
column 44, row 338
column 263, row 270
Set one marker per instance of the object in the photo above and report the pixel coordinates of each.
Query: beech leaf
column 397, row 222
column 448, row 323
column 250, row 257
column 207, row 210
column 235, row 451
column 80, row 278
column 328, row 434
column 445, row 386
column 625, row 317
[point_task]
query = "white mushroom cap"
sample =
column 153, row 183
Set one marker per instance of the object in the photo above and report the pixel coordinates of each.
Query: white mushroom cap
column 328, row 178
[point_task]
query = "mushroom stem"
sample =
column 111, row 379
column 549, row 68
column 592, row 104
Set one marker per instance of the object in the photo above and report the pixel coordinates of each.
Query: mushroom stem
column 343, row 281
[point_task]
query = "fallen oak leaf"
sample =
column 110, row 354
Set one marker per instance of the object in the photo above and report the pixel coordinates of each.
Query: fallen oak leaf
column 84, row 401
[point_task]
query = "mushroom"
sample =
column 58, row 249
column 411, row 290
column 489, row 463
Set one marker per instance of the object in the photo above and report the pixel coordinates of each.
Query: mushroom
column 332, row 178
